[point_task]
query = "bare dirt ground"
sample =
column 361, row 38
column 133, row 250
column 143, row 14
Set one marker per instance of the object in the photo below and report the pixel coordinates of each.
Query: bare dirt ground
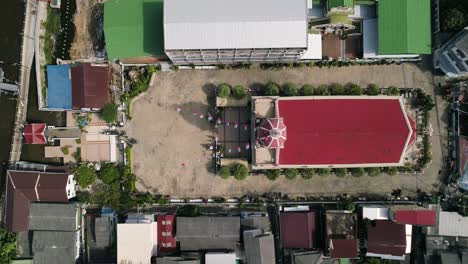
column 172, row 158
column 85, row 20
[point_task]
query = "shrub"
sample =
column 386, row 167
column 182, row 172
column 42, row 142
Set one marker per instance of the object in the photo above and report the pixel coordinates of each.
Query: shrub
column 307, row 90
column 224, row 172
column 290, row 173
column 307, row 173
column 271, row 89
column 272, row 174
column 357, row 172
column 392, row 171
column 372, row 89
column 373, row 171
column 321, row 90
column 340, row 172
column 109, row 112
column 239, row 92
column 224, row 90
column 323, row 172
column 8, row 246
column 453, row 20
column 337, row 89
column 109, row 173
column 65, row 150
column 353, row 89
column 239, row 171
column 174, row 67
column 392, row 90
column 289, row 89
column 84, row 175
column 189, row 210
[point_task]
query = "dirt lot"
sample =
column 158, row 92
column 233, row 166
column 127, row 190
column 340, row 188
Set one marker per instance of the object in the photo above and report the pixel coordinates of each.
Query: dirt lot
column 172, row 155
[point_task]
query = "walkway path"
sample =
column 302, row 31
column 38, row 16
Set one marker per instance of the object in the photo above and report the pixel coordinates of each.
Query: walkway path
column 27, row 55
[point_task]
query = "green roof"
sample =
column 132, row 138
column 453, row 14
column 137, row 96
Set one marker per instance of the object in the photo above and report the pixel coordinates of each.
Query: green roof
column 133, row 28
column 340, row 18
column 340, row 3
column 404, row 27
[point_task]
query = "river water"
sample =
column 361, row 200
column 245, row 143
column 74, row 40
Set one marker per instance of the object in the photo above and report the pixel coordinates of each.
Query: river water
column 11, row 19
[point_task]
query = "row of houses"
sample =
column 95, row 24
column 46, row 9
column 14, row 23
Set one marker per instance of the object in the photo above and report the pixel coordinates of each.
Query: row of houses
column 39, row 207
column 225, row 32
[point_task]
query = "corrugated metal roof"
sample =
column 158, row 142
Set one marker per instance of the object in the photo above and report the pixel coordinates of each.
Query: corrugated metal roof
column 53, row 217
column 90, row 84
column 416, row 217
column 386, row 238
column 226, row 24
column 453, row 224
column 404, row 26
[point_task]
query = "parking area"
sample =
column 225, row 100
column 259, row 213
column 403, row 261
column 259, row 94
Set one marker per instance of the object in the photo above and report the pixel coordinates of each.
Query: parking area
column 173, row 155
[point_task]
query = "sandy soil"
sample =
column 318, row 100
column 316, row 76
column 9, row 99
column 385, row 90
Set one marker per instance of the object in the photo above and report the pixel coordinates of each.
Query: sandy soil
column 172, row 156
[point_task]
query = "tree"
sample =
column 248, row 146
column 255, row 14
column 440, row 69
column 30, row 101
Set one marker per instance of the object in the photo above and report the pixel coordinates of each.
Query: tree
column 353, row 89
column 85, row 175
column 307, row 173
column 239, row 92
column 272, row 174
column 323, row 172
column 146, row 198
column 453, row 20
column 7, row 246
column 271, row 89
column 224, row 172
column 392, row 171
column 372, row 89
column 106, row 194
column 289, row 89
column 337, row 89
column 239, row 171
column 340, row 172
column 290, row 174
column 109, row 112
column 109, row 173
column 373, row 171
column 189, row 210
column 224, row 90
column 307, row 90
column 392, row 90
column 357, row 172
column 423, row 101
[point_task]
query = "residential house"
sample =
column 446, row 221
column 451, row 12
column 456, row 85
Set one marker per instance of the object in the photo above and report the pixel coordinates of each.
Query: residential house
column 310, row 257
column 78, row 87
column 388, row 240
column 137, row 240
column 166, row 233
column 54, row 233
column 26, row 187
column 208, row 233
column 300, row 230
column 101, row 237
column 452, row 57
column 259, row 247
column 341, row 237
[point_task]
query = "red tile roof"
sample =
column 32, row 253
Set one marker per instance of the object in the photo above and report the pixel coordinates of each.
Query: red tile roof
column 299, row 230
column 34, row 134
column 24, row 187
column 416, row 217
column 343, row 248
column 387, row 238
column 90, row 86
column 166, row 239
column 343, row 131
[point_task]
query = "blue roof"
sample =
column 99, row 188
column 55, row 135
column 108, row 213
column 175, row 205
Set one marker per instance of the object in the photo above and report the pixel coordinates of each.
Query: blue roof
column 59, row 88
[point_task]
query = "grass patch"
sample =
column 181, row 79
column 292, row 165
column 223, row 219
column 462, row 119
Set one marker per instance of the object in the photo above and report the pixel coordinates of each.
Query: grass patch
column 52, row 27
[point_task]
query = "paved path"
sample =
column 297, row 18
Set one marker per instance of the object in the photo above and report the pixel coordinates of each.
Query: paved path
column 27, row 55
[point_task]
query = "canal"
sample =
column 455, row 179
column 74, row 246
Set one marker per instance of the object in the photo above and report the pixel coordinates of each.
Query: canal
column 11, row 17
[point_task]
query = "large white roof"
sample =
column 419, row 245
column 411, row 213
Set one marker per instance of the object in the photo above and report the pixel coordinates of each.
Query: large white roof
column 375, row 213
column 453, row 224
column 228, row 24
column 136, row 243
